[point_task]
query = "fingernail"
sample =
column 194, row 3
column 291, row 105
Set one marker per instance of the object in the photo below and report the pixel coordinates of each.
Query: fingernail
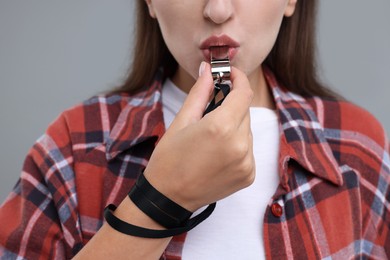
column 201, row 68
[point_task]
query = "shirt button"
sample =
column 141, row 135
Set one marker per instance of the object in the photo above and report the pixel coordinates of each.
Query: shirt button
column 277, row 210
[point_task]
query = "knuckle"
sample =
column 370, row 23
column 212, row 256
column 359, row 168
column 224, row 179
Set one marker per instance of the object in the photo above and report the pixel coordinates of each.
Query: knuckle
column 227, row 131
column 250, row 179
column 250, row 94
column 250, row 138
column 241, row 145
column 240, row 149
column 248, row 166
column 220, row 130
column 213, row 129
column 246, row 94
column 248, row 172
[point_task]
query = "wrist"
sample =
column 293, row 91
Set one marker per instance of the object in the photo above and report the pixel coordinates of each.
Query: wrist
column 129, row 212
column 152, row 214
column 175, row 191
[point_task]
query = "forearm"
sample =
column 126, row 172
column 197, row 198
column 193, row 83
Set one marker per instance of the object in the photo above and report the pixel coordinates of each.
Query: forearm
column 111, row 244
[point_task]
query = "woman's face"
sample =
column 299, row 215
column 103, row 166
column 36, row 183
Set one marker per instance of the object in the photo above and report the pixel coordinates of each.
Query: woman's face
column 248, row 27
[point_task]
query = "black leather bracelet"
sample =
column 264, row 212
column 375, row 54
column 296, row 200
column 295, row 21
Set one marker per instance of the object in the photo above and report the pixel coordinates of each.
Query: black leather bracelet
column 129, row 229
column 159, row 208
column 151, row 209
column 159, row 200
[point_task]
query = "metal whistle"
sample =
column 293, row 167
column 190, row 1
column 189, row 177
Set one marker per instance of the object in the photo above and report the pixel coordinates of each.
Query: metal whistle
column 220, row 65
column 220, row 70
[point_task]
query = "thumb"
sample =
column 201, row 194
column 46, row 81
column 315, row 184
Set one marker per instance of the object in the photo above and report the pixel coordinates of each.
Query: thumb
column 197, row 99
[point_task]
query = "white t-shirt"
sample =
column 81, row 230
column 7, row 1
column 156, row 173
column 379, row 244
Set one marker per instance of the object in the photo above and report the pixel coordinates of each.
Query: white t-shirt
column 235, row 229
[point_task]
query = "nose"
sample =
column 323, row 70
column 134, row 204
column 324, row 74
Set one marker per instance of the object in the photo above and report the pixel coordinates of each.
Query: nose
column 218, row 11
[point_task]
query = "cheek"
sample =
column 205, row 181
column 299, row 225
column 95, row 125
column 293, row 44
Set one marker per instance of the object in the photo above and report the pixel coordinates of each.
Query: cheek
column 176, row 20
column 264, row 19
column 166, row 16
column 176, row 17
column 262, row 23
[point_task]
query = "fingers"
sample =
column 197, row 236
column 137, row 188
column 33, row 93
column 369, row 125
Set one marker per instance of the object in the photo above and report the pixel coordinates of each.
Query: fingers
column 234, row 108
column 245, row 126
column 236, row 104
column 197, row 99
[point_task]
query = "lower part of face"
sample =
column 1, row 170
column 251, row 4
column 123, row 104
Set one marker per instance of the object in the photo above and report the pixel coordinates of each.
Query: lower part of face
column 252, row 25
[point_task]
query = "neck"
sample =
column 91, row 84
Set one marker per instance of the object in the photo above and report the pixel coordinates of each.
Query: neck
column 262, row 93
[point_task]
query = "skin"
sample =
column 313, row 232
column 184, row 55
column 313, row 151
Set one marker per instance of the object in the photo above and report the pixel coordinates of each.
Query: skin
column 220, row 162
column 254, row 24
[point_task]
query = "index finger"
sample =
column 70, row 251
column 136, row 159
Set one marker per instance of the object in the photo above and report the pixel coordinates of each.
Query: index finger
column 237, row 103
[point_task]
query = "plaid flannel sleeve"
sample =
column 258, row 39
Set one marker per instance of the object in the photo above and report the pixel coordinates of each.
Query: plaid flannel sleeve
column 386, row 211
column 39, row 218
column 379, row 203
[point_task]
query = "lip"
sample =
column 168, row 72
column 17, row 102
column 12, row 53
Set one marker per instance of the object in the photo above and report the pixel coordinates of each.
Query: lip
column 222, row 40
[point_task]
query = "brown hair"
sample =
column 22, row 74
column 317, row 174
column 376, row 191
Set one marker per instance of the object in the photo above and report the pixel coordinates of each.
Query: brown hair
column 292, row 59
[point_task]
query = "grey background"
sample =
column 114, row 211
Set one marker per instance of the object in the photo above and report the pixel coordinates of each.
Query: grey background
column 54, row 54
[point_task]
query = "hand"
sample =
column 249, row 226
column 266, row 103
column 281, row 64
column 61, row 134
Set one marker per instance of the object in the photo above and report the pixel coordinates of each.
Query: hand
column 202, row 160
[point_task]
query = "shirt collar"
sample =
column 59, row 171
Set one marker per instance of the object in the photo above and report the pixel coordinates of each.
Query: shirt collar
column 139, row 121
column 302, row 136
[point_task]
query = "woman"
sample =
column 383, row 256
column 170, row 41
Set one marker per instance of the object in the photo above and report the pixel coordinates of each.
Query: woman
column 294, row 174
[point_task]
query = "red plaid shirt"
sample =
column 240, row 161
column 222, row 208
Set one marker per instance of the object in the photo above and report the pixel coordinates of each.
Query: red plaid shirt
column 332, row 201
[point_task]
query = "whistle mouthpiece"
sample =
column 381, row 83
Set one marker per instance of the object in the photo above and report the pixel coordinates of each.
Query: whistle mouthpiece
column 220, row 64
